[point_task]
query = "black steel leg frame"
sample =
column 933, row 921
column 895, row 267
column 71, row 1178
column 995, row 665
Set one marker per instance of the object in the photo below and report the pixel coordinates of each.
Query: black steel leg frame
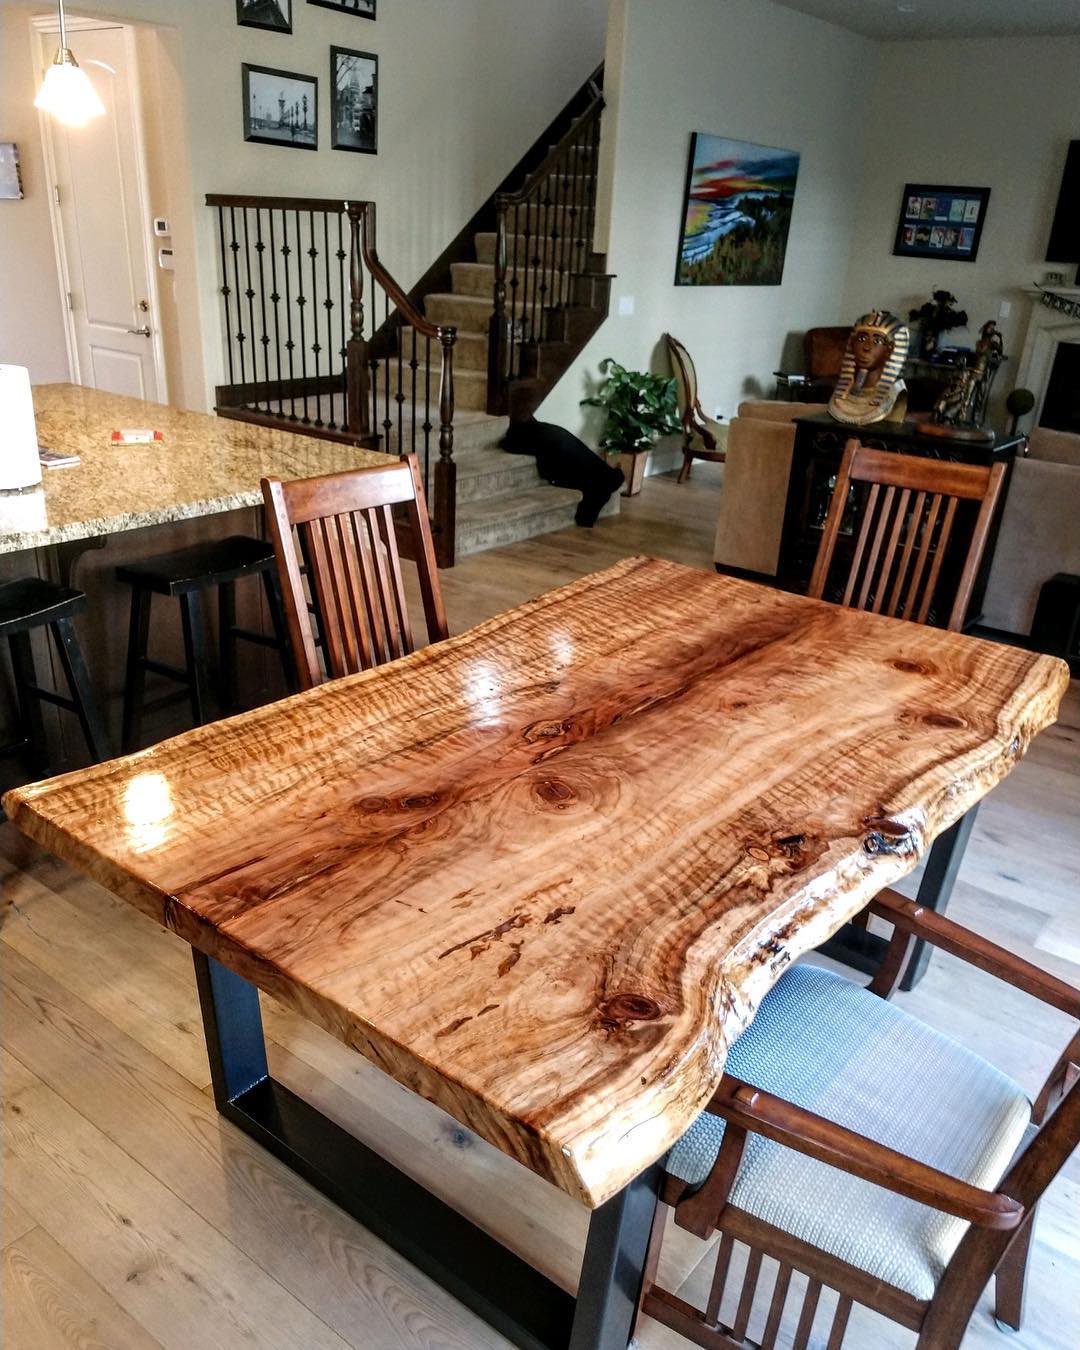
column 525, row 1306
column 863, row 950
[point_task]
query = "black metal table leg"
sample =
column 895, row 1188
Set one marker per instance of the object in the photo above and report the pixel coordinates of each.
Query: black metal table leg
column 856, row 947
column 525, row 1306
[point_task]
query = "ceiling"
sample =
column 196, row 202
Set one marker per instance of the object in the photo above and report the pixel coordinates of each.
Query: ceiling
column 947, row 18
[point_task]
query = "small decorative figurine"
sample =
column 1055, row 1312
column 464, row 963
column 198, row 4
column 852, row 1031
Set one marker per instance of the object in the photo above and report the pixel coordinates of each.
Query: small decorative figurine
column 870, row 384
column 961, row 409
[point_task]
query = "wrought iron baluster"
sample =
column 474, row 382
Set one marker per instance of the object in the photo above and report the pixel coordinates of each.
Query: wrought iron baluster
column 341, row 256
column 275, row 300
column 260, row 249
column 290, row 345
column 515, row 304
column 328, row 302
column 234, row 245
column 428, row 424
column 301, row 304
column 249, row 291
column 226, row 291
column 316, row 345
column 388, row 422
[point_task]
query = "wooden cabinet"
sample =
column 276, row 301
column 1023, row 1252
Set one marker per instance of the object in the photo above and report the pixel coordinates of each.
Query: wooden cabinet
column 819, row 444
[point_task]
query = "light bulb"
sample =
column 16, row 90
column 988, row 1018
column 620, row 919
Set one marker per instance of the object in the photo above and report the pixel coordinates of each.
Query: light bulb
column 67, row 94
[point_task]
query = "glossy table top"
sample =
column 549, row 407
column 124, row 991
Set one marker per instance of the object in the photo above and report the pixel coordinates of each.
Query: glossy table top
column 542, row 873
column 203, row 465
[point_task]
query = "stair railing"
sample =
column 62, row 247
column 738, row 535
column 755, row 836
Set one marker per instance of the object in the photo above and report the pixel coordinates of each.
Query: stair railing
column 309, row 347
column 543, row 241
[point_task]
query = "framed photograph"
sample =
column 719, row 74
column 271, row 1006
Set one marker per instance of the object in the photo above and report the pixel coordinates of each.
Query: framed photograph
column 11, row 188
column 273, row 14
column 281, row 108
column 941, row 222
column 736, row 213
column 361, row 9
column 354, row 100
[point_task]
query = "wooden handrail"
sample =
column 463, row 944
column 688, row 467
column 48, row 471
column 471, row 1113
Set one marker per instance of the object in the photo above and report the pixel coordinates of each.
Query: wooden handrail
column 544, row 168
column 264, row 203
column 370, row 253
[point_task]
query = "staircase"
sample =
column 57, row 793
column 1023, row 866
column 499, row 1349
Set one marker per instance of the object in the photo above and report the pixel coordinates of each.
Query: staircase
column 319, row 338
column 525, row 294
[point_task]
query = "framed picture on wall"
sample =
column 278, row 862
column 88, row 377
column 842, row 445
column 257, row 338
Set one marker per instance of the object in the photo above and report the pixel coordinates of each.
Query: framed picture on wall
column 361, row 9
column 736, row 213
column 273, row 14
column 354, row 100
column 11, row 188
column 281, row 108
column 941, row 222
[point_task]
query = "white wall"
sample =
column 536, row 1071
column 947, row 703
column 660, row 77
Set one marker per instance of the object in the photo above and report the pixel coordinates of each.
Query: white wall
column 753, row 71
column 465, row 87
column 995, row 113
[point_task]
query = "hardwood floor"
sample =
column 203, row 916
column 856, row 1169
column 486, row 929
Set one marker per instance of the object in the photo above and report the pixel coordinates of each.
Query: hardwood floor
column 132, row 1217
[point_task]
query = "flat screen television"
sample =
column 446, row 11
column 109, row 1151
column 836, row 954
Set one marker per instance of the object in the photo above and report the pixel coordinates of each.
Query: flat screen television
column 1064, row 245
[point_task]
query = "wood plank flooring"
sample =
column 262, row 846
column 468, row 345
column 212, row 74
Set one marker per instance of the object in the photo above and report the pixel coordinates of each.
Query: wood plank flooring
column 131, row 1217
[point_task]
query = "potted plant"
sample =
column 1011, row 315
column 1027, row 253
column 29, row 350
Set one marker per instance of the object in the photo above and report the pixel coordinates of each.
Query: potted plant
column 935, row 317
column 640, row 409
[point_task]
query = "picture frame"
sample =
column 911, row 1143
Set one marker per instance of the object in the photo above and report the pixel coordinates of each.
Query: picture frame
column 281, row 107
column 359, row 9
column 11, row 187
column 939, row 221
column 354, row 101
column 736, row 212
column 273, row 15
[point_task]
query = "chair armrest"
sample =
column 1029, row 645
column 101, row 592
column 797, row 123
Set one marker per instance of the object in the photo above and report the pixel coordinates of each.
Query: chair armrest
column 749, row 1108
column 909, row 917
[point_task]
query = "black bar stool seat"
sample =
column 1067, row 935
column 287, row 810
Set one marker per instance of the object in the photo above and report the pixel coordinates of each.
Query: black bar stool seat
column 183, row 575
column 28, row 603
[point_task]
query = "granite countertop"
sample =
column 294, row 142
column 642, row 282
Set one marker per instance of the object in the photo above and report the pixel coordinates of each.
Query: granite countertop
column 204, row 465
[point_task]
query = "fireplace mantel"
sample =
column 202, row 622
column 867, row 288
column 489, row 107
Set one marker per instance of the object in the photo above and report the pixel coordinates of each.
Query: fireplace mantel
column 1047, row 328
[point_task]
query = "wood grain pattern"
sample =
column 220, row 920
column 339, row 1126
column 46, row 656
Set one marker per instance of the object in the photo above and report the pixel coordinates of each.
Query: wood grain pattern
column 542, row 873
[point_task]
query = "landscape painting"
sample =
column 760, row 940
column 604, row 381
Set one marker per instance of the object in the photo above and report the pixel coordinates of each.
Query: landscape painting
column 737, row 213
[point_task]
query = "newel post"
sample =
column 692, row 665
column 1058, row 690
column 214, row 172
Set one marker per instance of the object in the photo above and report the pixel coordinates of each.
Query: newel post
column 445, row 521
column 356, row 353
column 499, row 327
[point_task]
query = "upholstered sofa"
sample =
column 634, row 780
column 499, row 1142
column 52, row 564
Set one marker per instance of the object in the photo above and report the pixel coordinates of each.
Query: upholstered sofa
column 1040, row 529
column 760, row 442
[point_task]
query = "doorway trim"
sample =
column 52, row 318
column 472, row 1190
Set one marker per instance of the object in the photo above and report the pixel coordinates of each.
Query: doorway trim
column 46, row 26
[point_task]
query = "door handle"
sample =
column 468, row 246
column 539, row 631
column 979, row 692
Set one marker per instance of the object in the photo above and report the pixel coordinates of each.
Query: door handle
column 144, row 331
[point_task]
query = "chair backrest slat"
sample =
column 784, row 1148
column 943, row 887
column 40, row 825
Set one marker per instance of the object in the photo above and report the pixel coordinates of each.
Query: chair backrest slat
column 899, row 552
column 339, row 532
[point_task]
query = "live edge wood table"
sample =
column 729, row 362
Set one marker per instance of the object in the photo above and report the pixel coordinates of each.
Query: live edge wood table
column 542, row 874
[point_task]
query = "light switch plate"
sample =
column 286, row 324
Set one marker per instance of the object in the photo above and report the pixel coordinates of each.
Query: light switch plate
column 1004, row 309
column 626, row 305
column 162, row 228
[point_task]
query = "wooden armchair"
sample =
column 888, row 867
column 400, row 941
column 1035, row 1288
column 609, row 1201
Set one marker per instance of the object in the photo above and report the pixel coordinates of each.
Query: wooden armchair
column 854, row 1144
column 336, row 545
column 703, row 437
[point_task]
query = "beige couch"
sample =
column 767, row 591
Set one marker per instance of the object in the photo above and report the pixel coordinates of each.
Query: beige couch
column 1040, row 529
column 760, row 441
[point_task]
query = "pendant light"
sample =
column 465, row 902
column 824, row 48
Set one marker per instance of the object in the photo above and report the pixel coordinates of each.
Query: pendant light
column 66, row 93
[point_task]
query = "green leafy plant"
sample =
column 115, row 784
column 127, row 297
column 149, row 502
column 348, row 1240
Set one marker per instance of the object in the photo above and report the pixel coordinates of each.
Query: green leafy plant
column 640, row 407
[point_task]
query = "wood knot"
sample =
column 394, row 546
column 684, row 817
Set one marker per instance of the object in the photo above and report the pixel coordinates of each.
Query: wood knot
column 554, row 792
column 913, row 667
column 887, row 836
column 947, row 720
column 373, row 805
column 420, row 800
column 620, row 1010
column 543, row 731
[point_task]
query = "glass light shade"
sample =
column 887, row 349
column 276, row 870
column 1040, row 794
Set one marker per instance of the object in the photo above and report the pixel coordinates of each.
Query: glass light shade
column 67, row 94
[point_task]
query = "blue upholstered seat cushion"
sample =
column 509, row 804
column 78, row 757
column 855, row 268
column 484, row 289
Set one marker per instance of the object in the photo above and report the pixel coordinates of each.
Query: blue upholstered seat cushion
column 824, row 1043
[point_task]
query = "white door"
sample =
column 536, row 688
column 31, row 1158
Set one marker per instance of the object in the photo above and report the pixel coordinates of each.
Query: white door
column 102, row 229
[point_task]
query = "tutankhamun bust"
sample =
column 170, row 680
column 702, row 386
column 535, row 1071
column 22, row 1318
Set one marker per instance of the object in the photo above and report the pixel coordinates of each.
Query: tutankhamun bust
column 870, row 383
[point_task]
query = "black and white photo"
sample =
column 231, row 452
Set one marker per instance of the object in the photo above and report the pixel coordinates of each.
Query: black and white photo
column 362, row 9
column 281, row 108
column 273, row 14
column 354, row 102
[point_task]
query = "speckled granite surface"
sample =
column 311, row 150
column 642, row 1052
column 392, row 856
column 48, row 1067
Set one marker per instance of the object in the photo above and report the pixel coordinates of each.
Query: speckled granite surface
column 204, row 465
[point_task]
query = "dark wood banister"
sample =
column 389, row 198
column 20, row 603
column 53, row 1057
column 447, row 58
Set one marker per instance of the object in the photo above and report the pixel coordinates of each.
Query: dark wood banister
column 551, row 159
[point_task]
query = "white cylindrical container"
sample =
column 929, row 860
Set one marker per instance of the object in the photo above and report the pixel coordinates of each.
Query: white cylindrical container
column 19, row 463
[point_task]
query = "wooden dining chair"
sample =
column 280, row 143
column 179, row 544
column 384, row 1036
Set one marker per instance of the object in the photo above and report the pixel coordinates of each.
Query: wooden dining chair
column 339, row 563
column 869, row 1155
column 703, row 437
column 903, row 536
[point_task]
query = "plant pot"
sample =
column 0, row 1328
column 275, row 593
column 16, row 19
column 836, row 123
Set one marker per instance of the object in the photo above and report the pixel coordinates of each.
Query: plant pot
column 632, row 464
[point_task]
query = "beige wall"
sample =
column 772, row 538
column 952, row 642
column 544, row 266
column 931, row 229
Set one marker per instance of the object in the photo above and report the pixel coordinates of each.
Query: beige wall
column 995, row 113
column 465, row 87
column 754, row 71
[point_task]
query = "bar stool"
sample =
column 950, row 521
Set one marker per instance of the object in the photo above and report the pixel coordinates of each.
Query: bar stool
column 26, row 604
column 184, row 575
